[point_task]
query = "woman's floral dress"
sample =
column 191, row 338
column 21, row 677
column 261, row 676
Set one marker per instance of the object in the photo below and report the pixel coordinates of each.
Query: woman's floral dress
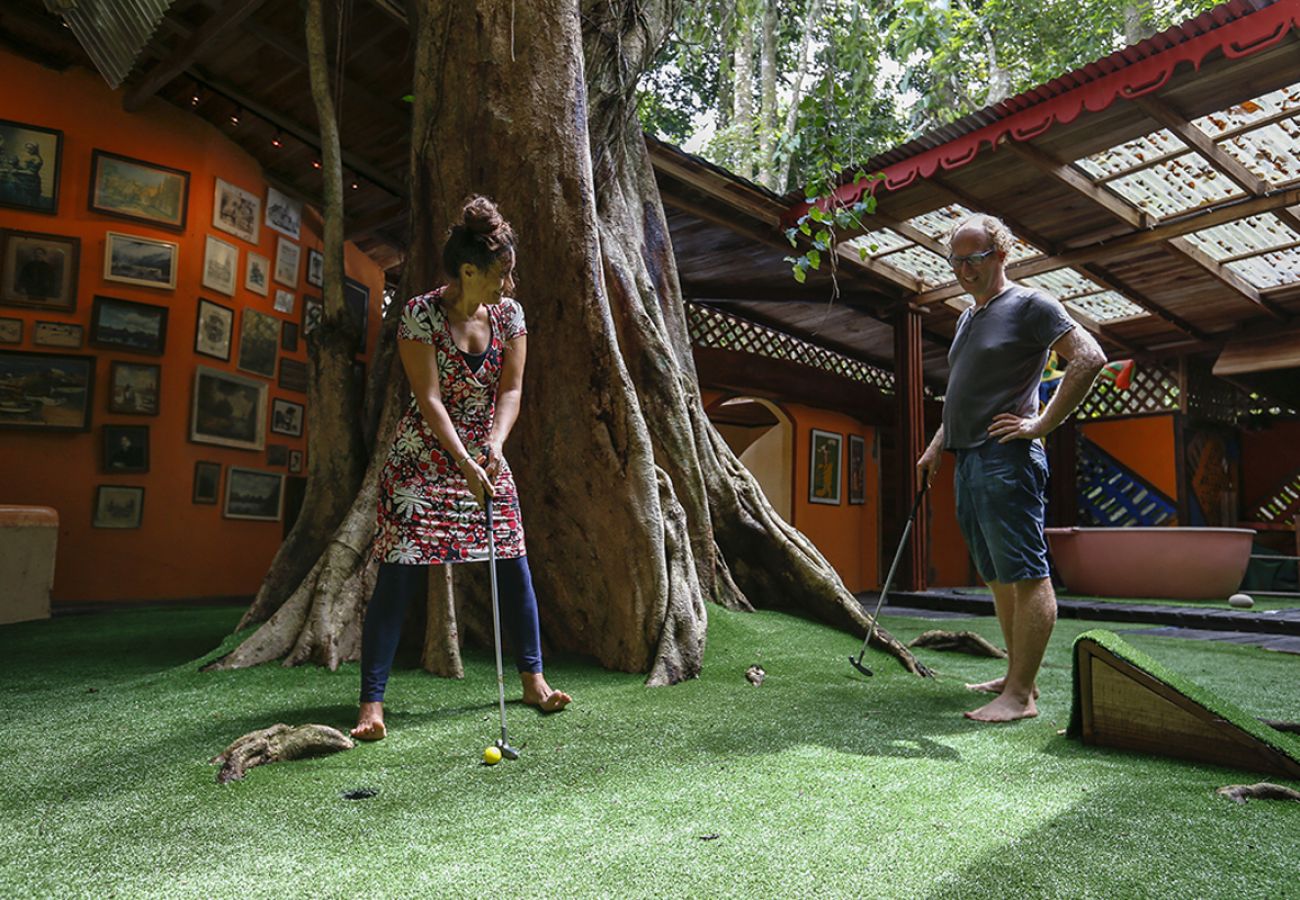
column 427, row 514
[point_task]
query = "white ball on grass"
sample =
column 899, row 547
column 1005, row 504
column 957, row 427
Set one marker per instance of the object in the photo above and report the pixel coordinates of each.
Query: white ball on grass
column 1241, row 601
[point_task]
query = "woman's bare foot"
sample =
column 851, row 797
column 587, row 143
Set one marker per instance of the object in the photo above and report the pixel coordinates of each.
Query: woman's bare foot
column 1004, row 709
column 995, row 686
column 370, row 722
column 540, row 694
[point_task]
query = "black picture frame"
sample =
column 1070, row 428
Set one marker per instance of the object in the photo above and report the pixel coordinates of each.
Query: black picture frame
column 293, row 375
column 315, row 268
column 295, row 462
column 30, row 381
column 125, row 449
column 857, row 470
column 134, row 389
column 214, row 330
column 117, row 324
column 313, row 310
column 28, row 181
column 289, row 337
column 287, row 417
column 259, row 343
column 207, row 483
column 137, row 190
column 253, row 494
column 277, row 455
column 118, row 506
column 39, row 270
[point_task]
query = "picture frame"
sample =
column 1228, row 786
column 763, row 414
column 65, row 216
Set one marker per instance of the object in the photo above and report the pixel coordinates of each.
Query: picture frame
column 11, row 330
column 253, row 494
column 259, row 343
column 287, row 256
column 58, row 334
column 207, row 483
column 824, row 467
column 228, row 410
column 293, row 375
column 46, row 391
column 277, row 455
column 315, row 268
column 287, row 417
column 236, row 211
column 138, row 191
column 313, row 310
column 30, row 161
column 295, row 462
column 118, row 506
column 283, row 213
column 134, row 388
column 356, row 298
column 214, row 330
column 857, row 470
column 141, row 261
column 117, row 324
column 283, row 301
column 220, row 265
column 257, row 273
column 288, row 336
column 125, row 449
column 39, row 271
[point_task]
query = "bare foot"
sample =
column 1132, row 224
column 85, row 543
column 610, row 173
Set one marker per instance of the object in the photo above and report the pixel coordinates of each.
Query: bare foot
column 995, row 686
column 370, row 723
column 540, row 694
column 1004, row 709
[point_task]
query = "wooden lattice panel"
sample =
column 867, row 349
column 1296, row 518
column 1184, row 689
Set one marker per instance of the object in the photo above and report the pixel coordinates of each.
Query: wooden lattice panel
column 1154, row 389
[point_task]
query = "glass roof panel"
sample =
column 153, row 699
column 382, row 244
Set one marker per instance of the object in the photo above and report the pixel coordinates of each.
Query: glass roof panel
column 883, row 239
column 939, row 222
column 1272, row 269
column 1271, row 152
column 1249, row 235
column 1062, row 283
column 1132, row 153
column 931, row 268
column 1241, row 115
column 1106, row 306
column 1174, row 186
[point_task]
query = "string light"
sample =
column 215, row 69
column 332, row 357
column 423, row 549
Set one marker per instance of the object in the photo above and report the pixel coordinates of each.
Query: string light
column 234, row 116
column 277, row 142
column 315, row 163
column 194, row 97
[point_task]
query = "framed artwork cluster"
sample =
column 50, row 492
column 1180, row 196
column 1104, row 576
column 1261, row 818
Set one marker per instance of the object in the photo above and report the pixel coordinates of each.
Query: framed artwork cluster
column 826, row 471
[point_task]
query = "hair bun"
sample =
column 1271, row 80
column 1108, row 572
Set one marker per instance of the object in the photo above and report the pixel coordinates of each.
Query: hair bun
column 481, row 216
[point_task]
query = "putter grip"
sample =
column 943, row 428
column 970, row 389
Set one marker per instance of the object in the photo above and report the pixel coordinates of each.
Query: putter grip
column 487, row 499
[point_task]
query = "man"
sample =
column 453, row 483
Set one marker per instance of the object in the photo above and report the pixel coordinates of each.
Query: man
column 991, row 422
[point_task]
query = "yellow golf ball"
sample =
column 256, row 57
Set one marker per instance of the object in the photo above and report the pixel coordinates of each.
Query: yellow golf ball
column 492, row 755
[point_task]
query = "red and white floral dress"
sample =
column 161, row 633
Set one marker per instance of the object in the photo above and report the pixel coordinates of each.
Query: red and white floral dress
column 427, row 514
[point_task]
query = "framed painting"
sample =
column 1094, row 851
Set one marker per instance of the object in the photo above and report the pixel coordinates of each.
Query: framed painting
column 127, row 325
column 356, row 297
column 257, row 273
column 11, row 331
column 293, row 375
column 288, row 336
column 283, row 213
column 126, row 449
column 824, row 467
column 214, row 330
column 236, row 211
column 30, row 157
column 46, row 391
column 39, row 270
column 857, row 469
column 139, row 191
column 277, row 455
column 287, row 254
column 207, row 483
column 220, row 265
column 316, row 268
column 295, row 462
column 253, row 494
column 142, row 261
column 118, row 506
column 312, row 312
column 286, row 417
column 283, row 301
column 259, row 342
column 228, row 410
column 58, row 334
column 134, row 388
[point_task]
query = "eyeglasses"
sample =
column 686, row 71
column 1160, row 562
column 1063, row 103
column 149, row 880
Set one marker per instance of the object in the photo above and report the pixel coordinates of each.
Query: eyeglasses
column 974, row 259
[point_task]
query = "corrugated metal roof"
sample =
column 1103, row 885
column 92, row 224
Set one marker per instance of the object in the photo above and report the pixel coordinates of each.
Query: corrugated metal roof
column 113, row 32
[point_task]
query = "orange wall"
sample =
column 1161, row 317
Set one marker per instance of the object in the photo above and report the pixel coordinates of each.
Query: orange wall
column 1145, row 444
column 181, row 549
column 1268, row 457
column 949, row 563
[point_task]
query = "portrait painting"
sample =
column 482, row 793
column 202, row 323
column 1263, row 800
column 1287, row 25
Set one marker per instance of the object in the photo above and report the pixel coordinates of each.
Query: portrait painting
column 824, row 467
column 125, row 449
column 139, row 191
column 134, row 388
column 39, row 271
column 29, row 166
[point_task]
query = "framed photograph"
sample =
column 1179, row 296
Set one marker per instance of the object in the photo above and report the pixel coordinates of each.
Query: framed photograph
column 29, row 166
column 824, row 469
column 257, row 273
column 220, row 265
column 214, row 330
column 46, row 391
column 283, row 213
column 118, row 506
column 293, row 375
column 142, row 261
column 286, row 417
column 228, row 410
column 253, row 494
column 126, row 449
column 139, row 191
column 236, row 211
column 316, row 268
column 11, row 331
column 277, row 455
column 259, row 341
column 288, row 336
column 207, row 483
column 857, row 469
column 295, row 462
column 134, row 388
column 287, row 254
column 39, row 270
column 126, row 325
column 313, row 310
column 283, row 301
column 58, row 334
column 356, row 297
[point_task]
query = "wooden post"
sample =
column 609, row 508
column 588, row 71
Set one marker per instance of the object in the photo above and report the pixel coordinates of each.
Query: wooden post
column 912, row 571
column 1063, row 488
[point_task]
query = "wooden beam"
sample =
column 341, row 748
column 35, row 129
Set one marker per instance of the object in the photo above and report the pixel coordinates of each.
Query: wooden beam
column 1072, row 178
column 1185, row 250
column 189, row 51
column 975, row 204
column 1106, row 279
column 735, row 195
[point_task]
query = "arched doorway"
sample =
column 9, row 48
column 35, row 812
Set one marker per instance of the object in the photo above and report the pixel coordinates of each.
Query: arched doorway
column 762, row 435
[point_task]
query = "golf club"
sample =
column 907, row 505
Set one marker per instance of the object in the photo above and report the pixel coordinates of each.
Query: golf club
column 889, row 579
column 502, row 744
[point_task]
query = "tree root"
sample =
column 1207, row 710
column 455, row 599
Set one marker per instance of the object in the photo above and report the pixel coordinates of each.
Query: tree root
column 960, row 641
column 1264, row 790
column 279, row 743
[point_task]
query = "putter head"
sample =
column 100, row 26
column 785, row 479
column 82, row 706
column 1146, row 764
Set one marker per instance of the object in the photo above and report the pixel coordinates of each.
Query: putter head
column 506, row 750
column 857, row 664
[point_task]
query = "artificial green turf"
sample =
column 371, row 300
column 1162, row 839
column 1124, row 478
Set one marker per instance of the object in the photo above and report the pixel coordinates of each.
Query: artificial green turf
column 819, row 783
column 1263, row 602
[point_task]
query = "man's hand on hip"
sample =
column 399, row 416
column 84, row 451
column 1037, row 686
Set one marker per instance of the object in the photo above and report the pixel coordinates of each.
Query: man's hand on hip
column 1009, row 427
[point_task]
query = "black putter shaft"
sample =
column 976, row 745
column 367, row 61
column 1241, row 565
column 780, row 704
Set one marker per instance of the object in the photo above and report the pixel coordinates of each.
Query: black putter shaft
column 889, row 579
column 503, row 744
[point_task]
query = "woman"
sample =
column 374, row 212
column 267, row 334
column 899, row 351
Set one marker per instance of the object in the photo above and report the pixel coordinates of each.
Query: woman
column 462, row 346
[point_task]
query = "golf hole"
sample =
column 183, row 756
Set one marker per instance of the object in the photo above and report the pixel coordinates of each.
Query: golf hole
column 359, row 794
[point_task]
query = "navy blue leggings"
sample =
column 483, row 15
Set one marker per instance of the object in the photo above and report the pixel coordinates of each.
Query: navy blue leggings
column 398, row 584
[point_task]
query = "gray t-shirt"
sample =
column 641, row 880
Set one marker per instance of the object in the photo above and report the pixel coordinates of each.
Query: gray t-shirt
column 996, row 361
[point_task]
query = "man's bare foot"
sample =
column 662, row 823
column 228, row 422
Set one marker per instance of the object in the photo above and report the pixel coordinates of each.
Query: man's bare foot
column 995, row 686
column 1004, row 709
column 370, row 723
column 540, row 694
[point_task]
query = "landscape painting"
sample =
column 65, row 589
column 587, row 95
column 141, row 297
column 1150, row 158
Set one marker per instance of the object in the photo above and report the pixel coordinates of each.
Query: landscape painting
column 46, row 391
column 139, row 191
column 147, row 262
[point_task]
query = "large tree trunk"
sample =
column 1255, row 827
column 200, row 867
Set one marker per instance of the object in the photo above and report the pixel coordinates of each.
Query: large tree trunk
column 636, row 511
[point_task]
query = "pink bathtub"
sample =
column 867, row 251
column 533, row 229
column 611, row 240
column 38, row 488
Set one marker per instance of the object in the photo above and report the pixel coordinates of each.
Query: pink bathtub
column 1175, row 563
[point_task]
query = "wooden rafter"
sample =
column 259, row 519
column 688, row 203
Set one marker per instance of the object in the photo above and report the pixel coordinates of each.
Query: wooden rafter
column 975, row 204
column 1106, row 279
column 1069, row 176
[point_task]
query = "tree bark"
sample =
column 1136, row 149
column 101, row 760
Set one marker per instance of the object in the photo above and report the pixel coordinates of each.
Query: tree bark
column 767, row 134
column 742, row 116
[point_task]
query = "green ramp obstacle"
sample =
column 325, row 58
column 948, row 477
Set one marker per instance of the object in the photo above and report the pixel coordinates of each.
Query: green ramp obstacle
column 1124, row 698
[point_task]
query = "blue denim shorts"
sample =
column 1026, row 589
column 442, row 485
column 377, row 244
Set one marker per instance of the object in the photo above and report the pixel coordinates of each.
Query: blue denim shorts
column 1001, row 507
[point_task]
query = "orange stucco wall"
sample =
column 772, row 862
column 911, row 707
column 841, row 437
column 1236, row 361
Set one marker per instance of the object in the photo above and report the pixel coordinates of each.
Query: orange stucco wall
column 1268, row 457
column 1145, row 444
column 949, row 564
column 181, row 549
